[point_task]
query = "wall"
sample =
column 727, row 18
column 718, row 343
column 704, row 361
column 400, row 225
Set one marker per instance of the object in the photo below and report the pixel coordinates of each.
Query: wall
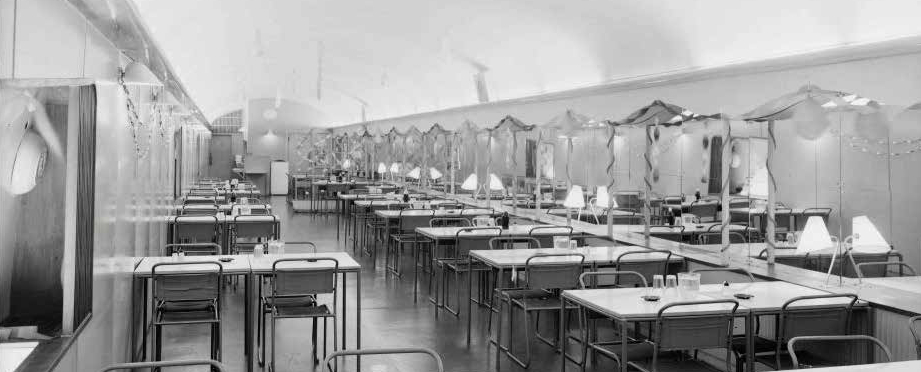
column 808, row 172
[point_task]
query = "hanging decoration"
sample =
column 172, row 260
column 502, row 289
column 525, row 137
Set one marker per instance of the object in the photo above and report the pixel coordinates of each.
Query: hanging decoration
column 135, row 124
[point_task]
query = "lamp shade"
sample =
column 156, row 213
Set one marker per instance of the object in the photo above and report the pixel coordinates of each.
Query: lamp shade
column 495, row 184
column 601, row 196
column 347, row 163
column 575, row 199
column 434, row 173
column 381, row 168
column 815, row 236
column 415, row 173
column 394, row 168
column 866, row 238
column 470, row 183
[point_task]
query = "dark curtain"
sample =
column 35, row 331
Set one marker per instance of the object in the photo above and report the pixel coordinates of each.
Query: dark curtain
column 86, row 191
column 716, row 165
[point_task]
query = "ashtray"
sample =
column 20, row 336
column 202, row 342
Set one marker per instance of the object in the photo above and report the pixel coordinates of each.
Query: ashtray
column 650, row 298
column 225, row 259
column 743, row 296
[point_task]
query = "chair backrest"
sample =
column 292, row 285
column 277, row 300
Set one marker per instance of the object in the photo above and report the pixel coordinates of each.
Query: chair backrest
column 439, row 365
column 705, row 209
column 740, row 203
column 290, row 280
column 596, row 279
column 835, row 340
column 673, row 199
column 882, row 269
column 730, row 270
column 450, row 222
column 809, row 212
column 200, row 200
column 254, row 209
column 397, row 206
column 192, row 229
column 668, row 232
column 473, row 238
column 554, row 271
column 914, row 325
column 310, row 246
column 851, row 271
column 545, row 234
column 198, row 210
column 247, row 228
column 170, row 285
column 717, row 238
column 449, row 205
column 483, row 221
column 675, row 331
column 193, row 249
column 647, row 268
column 411, row 221
column 814, row 320
column 620, row 219
column 782, row 218
column 513, row 242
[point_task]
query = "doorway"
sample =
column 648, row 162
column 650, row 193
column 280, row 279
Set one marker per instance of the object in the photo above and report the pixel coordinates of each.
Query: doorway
column 221, row 157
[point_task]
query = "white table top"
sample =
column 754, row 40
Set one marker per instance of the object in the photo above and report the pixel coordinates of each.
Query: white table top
column 367, row 203
column 628, row 304
column 239, row 264
column 393, row 214
column 513, row 230
column 223, row 206
column 12, row 354
column 905, row 283
column 699, row 228
column 904, row 366
column 262, row 265
column 221, row 218
column 763, row 210
column 770, row 296
column 505, row 258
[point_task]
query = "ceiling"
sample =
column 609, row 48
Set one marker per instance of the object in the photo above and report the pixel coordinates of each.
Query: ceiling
column 383, row 59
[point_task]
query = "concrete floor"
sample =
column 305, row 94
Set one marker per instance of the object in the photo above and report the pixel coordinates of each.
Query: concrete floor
column 390, row 318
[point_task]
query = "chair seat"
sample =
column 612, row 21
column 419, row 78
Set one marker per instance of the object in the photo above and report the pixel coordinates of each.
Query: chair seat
column 805, row 358
column 293, row 301
column 186, row 312
column 313, row 311
column 546, row 302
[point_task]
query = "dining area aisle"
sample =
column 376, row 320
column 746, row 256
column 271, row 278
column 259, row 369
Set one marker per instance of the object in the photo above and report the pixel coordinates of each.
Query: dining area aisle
column 389, row 318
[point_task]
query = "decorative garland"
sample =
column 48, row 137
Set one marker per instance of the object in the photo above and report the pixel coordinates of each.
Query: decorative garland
column 134, row 121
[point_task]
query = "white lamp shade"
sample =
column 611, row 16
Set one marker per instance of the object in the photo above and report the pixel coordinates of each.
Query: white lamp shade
column 575, row 199
column 601, row 196
column 434, row 173
column 815, row 236
column 866, row 238
column 347, row 163
column 470, row 183
column 415, row 173
column 381, row 168
column 495, row 184
column 394, row 168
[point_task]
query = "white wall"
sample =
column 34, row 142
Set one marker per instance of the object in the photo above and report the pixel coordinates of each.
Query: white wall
column 807, row 171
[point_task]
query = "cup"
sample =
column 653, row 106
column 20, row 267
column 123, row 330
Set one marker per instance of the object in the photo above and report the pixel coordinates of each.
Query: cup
column 671, row 282
column 658, row 282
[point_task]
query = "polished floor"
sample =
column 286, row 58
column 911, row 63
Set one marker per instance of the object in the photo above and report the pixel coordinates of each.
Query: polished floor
column 390, row 318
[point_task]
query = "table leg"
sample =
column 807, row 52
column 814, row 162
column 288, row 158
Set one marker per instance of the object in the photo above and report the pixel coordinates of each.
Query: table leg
column 344, row 312
column 338, row 213
column 750, row 342
column 358, row 318
column 469, row 296
column 563, row 327
column 623, row 347
column 248, row 321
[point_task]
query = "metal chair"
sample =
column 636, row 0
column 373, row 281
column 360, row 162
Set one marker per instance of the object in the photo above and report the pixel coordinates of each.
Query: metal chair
column 254, row 208
column 253, row 230
column 799, row 320
column 587, row 330
column 545, row 234
column 914, row 325
column 543, row 283
column 668, row 232
column 186, row 298
column 855, row 260
column 406, row 234
column 196, row 229
column 514, row 242
column 466, row 240
column 693, row 332
column 198, row 199
column 903, row 268
column 648, row 268
column 439, row 364
column 295, row 293
column 705, row 209
column 717, row 238
column 739, row 345
column 817, row 362
column 215, row 365
column 193, row 249
column 450, row 222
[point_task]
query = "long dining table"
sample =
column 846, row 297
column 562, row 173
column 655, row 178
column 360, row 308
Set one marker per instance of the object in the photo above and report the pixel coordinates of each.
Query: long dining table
column 251, row 268
column 626, row 305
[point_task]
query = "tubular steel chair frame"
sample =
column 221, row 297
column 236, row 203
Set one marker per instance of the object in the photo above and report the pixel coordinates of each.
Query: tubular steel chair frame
column 791, row 345
column 914, row 326
column 565, row 230
column 662, row 320
column 461, row 262
column 301, row 301
column 903, row 267
column 215, row 365
column 541, row 296
column 619, row 263
column 406, row 234
column 196, row 249
column 180, row 221
column 210, row 305
column 237, row 224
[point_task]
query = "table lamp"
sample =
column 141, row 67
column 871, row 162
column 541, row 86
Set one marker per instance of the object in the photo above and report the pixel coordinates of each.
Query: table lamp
column 470, row 184
column 434, row 173
column 394, row 168
column 416, row 173
column 495, row 184
column 575, row 199
column 381, row 168
column 816, row 238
